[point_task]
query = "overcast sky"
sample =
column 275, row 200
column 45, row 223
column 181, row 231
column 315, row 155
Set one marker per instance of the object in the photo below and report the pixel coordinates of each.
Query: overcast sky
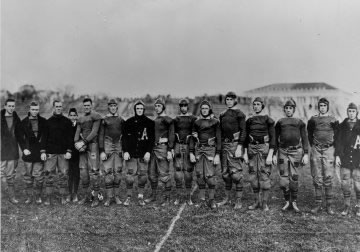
column 181, row 47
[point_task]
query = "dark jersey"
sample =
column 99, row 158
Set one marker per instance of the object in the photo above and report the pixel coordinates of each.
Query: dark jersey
column 111, row 128
column 208, row 131
column 164, row 128
column 260, row 128
column 322, row 130
column 183, row 127
column 291, row 132
column 232, row 122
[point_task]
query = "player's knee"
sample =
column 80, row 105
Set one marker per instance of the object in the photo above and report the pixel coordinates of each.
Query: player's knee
column 142, row 181
column 237, row 177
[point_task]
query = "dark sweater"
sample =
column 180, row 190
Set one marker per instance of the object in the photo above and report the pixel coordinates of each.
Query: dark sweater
column 259, row 127
column 348, row 144
column 9, row 137
column 164, row 128
column 233, row 121
column 207, row 128
column 322, row 130
column 291, row 132
column 139, row 134
column 112, row 127
column 58, row 138
column 28, row 140
column 183, row 127
column 88, row 127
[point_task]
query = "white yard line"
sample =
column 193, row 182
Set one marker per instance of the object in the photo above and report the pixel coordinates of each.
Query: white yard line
column 171, row 227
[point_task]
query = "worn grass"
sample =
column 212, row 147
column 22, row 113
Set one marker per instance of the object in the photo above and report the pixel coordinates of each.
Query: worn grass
column 117, row 228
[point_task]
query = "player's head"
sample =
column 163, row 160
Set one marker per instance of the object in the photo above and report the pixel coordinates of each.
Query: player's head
column 57, row 107
column 87, row 105
column 184, row 106
column 34, row 109
column 112, row 106
column 323, row 105
column 10, row 105
column 205, row 108
column 289, row 108
column 73, row 115
column 139, row 108
column 159, row 106
column 258, row 104
column 230, row 99
column 352, row 111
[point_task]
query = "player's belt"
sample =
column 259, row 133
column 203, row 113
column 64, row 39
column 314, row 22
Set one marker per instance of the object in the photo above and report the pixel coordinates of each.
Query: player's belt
column 228, row 140
column 205, row 145
column 324, row 145
column 161, row 144
column 292, row 147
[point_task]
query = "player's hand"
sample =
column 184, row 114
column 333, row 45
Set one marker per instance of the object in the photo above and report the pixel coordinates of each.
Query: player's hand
column 67, row 155
column 103, row 156
column 147, row 157
column 274, row 159
column 195, row 134
column 27, row 152
column 169, row 156
column 216, row 159
column 238, row 151
column 305, row 159
column 337, row 161
column 126, row 156
column 192, row 158
column 43, row 156
column 268, row 160
column 79, row 144
column 246, row 158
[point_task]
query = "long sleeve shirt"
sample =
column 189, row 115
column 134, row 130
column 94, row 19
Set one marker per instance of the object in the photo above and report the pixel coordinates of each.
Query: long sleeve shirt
column 58, row 138
column 183, row 126
column 322, row 130
column 111, row 128
column 208, row 130
column 348, row 144
column 232, row 121
column 291, row 132
column 139, row 134
column 258, row 128
column 88, row 127
column 164, row 128
column 10, row 136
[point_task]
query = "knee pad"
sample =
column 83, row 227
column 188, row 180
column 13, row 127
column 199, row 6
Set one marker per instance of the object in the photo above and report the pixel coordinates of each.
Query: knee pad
column 130, row 179
column 142, row 180
column 190, row 169
column 237, row 177
column 226, row 177
column 109, row 179
column 265, row 185
column 211, row 182
column 295, row 177
column 178, row 176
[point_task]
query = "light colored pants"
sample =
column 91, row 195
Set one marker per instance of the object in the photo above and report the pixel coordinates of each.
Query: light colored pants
column 58, row 161
column 8, row 171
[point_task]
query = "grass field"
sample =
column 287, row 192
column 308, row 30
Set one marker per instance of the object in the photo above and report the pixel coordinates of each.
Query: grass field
column 135, row 228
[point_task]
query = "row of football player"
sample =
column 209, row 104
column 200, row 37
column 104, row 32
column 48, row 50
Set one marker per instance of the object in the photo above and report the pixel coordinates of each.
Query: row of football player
column 200, row 143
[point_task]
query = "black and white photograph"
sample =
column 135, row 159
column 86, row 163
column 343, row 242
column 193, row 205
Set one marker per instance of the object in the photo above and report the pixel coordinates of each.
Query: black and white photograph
column 192, row 125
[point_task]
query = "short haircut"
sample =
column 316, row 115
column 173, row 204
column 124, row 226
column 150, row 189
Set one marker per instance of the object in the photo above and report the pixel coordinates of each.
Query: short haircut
column 73, row 110
column 87, row 100
column 55, row 101
column 34, row 103
column 9, row 100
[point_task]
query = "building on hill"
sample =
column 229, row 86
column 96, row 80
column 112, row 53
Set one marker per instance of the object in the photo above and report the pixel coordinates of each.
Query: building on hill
column 306, row 96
